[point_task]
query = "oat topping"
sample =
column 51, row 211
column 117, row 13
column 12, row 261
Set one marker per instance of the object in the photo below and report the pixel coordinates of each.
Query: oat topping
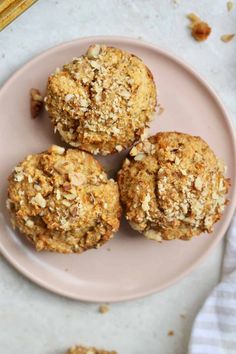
column 172, row 186
column 102, row 100
column 63, row 201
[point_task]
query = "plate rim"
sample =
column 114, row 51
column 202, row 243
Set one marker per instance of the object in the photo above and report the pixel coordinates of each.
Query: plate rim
column 231, row 208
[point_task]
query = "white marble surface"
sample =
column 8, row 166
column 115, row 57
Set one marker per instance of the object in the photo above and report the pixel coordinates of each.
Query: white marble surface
column 31, row 319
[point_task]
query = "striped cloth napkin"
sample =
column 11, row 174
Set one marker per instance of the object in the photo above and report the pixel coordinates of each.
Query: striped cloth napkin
column 214, row 330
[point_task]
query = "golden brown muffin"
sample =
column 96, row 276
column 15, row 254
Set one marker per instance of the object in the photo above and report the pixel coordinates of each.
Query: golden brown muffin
column 172, row 187
column 63, row 201
column 102, row 101
column 90, row 350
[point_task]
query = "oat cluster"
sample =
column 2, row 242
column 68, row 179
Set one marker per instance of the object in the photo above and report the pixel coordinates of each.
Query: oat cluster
column 83, row 350
column 172, row 187
column 63, row 201
column 102, row 101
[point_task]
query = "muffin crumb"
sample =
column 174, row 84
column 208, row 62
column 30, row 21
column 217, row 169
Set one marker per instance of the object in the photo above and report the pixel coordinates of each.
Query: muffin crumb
column 36, row 102
column 103, row 309
column 171, row 333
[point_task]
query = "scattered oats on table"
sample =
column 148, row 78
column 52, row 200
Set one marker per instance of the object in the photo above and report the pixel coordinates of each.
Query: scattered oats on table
column 172, row 186
column 63, row 201
column 102, row 101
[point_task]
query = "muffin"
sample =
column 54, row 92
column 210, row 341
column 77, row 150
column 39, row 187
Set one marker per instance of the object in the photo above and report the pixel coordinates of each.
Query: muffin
column 62, row 201
column 102, row 101
column 172, row 187
column 83, row 350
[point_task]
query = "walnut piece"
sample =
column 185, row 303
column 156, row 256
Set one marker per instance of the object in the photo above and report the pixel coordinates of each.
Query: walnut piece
column 200, row 30
column 36, row 102
column 93, row 51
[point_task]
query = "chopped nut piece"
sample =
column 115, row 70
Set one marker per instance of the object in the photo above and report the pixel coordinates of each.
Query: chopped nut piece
column 230, row 5
column 201, row 31
column 198, row 183
column 227, row 37
column 145, row 204
column 8, row 204
column 93, row 51
column 57, row 149
column 119, row 148
column 94, row 64
column 74, row 211
column 69, row 97
column 77, row 179
column 133, row 151
column 29, row 223
column 193, row 18
column 103, row 309
column 39, row 200
column 63, row 167
column 145, row 134
column 66, row 203
column 19, row 177
column 153, row 235
column 139, row 157
column 126, row 94
column 171, row 333
column 36, row 102
column 70, row 196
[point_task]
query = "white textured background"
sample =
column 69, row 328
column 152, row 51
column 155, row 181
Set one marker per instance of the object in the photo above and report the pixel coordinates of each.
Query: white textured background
column 33, row 321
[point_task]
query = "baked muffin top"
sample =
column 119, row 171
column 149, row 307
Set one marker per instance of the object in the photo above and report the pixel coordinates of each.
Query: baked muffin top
column 102, row 101
column 86, row 350
column 172, row 186
column 63, row 201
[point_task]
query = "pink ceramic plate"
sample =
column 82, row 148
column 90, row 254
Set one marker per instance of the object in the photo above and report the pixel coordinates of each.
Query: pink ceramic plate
column 129, row 266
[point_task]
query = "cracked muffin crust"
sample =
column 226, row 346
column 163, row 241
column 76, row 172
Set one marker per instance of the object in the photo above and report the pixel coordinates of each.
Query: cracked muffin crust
column 90, row 350
column 63, row 201
column 102, row 101
column 172, row 187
